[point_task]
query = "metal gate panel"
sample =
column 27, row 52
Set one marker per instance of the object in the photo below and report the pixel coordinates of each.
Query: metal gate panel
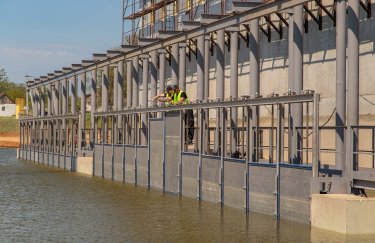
column 118, row 167
column 98, row 160
column 40, row 157
column 142, row 165
column 190, row 175
column 234, row 184
column 55, row 160
column 129, row 164
column 295, row 193
column 107, row 173
column 172, row 151
column 211, row 179
column 32, row 156
column 262, row 188
column 62, row 158
column 69, row 161
column 156, row 131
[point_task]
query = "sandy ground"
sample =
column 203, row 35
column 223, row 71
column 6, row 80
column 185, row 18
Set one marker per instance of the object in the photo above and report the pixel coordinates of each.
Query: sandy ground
column 9, row 140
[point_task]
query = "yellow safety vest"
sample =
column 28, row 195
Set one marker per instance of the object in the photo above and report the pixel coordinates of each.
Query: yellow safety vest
column 177, row 97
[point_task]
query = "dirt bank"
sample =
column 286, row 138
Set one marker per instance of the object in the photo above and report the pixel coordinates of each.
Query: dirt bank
column 9, row 139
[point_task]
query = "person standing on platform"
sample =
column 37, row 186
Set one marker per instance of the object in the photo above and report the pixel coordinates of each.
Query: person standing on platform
column 165, row 97
column 180, row 97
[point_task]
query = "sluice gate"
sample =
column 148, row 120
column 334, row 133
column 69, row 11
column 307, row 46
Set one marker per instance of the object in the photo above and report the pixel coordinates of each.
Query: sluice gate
column 258, row 142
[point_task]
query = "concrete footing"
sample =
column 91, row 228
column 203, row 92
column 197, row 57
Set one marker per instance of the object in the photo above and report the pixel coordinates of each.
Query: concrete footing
column 347, row 214
column 85, row 165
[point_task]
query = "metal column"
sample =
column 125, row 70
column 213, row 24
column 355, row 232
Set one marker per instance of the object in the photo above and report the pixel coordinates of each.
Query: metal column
column 144, row 98
column 200, row 67
column 74, row 95
column 353, row 79
column 82, row 119
column 162, row 71
column 120, row 90
column 206, row 85
column 93, row 106
column 340, row 84
column 290, row 87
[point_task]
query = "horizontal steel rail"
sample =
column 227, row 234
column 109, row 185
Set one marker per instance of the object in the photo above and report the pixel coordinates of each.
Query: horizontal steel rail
column 215, row 104
column 59, row 117
column 232, row 20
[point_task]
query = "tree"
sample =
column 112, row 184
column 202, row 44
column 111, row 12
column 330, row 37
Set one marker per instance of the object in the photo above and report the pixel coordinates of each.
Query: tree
column 13, row 90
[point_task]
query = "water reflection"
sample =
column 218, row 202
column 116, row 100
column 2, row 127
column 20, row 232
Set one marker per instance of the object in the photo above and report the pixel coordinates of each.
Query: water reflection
column 43, row 204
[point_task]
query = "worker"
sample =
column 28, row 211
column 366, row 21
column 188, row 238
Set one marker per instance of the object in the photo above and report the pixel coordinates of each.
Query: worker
column 179, row 98
column 165, row 97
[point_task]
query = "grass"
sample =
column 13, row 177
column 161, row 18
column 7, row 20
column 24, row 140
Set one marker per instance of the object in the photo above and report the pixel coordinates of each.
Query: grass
column 9, row 124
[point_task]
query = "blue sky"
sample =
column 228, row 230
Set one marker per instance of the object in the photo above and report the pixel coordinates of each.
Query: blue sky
column 41, row 36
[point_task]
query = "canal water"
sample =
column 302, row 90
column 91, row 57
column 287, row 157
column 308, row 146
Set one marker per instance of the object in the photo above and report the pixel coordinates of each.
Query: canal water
column 43, row 204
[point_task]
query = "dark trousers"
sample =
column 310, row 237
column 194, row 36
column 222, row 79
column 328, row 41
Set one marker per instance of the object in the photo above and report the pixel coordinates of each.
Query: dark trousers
column 189, row 120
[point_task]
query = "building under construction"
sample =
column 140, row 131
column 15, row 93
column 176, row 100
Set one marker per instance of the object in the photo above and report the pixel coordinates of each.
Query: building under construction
column 282, row 94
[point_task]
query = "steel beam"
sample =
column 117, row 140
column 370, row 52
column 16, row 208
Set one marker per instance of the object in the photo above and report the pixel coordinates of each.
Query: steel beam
column 154, row 73
column 220, row 68
column 145, row 62
column 340, row 84
column 162, row 71
column 290, row 87
column 200, row 67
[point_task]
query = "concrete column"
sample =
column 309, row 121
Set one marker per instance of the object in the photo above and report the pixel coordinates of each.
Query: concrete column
column 135, row 82
column 174, row 63
column 82, row 119
column 93, row 105
column 64, row 97
column 291, row 136
column 144, row 98
column 340, row 84
column 115, row 88
column 234, row 87
column 220, row 67
column 56, row 99
column 154, row 73
column 298, row 30
column 353, row 74
column 49, row 99
column 182, row 66
column 129, row 78
column 162, row 71
column 105, row 88
column 120, row 90
column 73, row 91
column 42, row 99
column 254, row 75
column 200, row 67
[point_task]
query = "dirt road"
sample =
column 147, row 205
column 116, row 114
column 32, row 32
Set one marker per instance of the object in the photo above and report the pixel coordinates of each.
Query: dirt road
column 9, row 140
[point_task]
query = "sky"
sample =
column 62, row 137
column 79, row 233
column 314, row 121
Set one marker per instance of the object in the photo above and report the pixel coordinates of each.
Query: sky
column 40, row 36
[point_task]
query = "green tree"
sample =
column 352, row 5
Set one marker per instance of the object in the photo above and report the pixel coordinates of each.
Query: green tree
column 13, row 90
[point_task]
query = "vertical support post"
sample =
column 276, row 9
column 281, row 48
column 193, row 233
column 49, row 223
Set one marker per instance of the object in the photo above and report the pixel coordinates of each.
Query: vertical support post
column 145, row 99
column 290, row 87
column 135, row 82
column 27, row 102
column 56, row 99
column 280, row 156
column 162, row 70
column 200, row 140
column 129, row 78
column 223, row 153
column 82, row 118
column 154, row 73
column 298, row 80
column 105, row 88
column 200, row 67
column 42, row 99
column 254, row 79
column 220, row 65
column 182, row 66
column 315, row 138
column 174, row 63
column 234, row 89
column 353, row 79
column 206, row 85
column 93, row 107
column 74, row 95
column 340, row 84
column 120, row 94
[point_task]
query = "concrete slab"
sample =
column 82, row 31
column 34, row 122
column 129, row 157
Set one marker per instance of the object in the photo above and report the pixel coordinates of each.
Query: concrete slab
column 346, row 214
column 85, row 165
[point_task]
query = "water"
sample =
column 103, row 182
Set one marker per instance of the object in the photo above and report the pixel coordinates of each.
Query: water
column 43, row 204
